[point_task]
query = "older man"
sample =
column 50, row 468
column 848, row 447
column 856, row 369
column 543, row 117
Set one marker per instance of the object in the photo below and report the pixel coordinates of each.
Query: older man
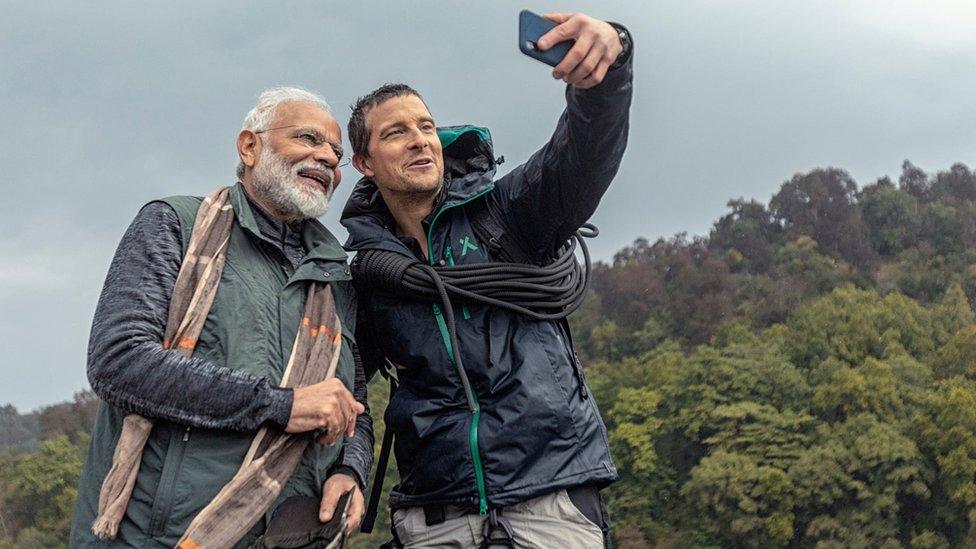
column 204, row 405
column 508, row 448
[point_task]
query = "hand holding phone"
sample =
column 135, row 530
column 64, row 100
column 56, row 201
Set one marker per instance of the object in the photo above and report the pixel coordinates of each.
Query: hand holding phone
column 592, row 45
column 532, row 27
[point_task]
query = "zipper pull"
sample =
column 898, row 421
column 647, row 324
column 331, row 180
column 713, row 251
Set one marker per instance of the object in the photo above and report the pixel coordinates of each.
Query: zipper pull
column 580, row 377
column 186, row 434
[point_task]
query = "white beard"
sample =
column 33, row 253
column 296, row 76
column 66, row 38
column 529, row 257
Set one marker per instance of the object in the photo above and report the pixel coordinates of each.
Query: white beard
column 279, row 185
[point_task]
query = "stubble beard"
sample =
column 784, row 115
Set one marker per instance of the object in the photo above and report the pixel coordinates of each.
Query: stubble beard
column 279, row 185
column 422, row 189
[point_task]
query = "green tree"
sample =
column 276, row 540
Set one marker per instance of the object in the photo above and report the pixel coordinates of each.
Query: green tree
column 740, row 502
column 40, row 487
column 852, row 325
column 822, row 205
column 852, row 487
column 892, row 216
column 945, row 429
column 636, row 428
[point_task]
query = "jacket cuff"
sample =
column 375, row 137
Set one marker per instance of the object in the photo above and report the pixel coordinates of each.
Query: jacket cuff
column 350, row 471
column 279, row 407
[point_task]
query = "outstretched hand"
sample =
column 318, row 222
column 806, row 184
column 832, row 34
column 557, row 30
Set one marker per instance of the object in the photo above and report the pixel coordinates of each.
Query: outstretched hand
column 597, row 47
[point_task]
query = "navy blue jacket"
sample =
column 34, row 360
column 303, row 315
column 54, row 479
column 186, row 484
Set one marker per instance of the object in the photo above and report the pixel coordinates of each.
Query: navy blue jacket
column 538, row 429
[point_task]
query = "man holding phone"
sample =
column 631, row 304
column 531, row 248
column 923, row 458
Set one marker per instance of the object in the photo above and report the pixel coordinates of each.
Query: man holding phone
column 511, row 449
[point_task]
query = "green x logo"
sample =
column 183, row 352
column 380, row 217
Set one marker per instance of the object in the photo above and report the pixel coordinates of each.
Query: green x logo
column 467, row 244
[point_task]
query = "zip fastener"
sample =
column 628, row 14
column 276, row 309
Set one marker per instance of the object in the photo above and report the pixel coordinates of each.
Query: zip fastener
column 479, row 473
column 580, row 376
column 161, row 518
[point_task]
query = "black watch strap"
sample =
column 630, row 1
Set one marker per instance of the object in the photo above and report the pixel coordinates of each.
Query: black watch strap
column 625, row 42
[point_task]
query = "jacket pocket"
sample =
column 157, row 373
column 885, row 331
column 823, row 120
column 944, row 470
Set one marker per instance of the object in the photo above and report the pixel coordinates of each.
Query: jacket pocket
column 163, row 502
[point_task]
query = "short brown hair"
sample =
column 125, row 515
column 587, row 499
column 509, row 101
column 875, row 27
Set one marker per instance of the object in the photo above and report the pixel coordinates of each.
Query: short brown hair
column 358, row 131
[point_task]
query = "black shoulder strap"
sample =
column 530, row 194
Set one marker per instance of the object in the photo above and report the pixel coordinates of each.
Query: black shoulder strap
column 381, row 465
column 490, row 229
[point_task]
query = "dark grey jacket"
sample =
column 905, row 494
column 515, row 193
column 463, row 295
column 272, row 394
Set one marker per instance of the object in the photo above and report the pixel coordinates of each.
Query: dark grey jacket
column 538, row 429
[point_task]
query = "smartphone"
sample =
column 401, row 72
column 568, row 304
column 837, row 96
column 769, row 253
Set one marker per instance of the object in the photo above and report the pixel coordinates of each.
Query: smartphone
column 531, row 29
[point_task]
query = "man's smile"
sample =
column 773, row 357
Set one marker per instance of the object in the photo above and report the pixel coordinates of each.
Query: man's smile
column 317, row 177
column 422, row 163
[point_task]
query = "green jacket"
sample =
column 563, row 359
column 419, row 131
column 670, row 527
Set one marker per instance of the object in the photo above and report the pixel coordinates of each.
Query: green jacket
column 251, row 327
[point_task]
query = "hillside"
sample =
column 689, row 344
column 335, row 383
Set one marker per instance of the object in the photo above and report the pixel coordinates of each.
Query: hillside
column 802, row 376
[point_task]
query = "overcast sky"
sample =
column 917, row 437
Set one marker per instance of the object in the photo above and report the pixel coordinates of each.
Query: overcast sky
column 106, row 105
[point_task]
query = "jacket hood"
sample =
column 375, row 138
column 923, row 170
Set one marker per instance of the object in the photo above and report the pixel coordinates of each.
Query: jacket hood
column 469, row 170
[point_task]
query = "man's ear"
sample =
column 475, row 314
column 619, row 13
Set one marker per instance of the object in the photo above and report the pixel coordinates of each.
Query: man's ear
column 248, row 147
column 362, row 165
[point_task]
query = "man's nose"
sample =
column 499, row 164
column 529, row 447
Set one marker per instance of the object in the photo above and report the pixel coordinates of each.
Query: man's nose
column 327, row 156
column 418, row 140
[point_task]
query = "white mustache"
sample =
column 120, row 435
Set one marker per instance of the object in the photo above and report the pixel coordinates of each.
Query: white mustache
column 330, row 175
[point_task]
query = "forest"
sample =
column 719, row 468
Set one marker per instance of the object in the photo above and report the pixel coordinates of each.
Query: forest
column 802, row 376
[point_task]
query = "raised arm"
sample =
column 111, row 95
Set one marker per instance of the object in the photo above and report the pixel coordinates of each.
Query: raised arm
column 546, row 199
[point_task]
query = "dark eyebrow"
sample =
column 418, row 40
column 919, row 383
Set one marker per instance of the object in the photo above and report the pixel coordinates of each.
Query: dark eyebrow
column 384, row 129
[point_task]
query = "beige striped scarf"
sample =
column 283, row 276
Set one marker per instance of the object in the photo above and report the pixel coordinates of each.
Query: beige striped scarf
column 273, row 455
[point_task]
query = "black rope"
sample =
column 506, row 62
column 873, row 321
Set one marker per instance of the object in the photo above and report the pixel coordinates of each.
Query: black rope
column 549, row 292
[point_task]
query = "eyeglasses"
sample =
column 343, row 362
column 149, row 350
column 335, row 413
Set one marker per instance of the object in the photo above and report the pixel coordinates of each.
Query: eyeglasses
column 311, row 138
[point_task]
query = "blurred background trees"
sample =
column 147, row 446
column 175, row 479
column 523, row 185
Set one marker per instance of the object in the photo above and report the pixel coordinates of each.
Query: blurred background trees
column 802, row 376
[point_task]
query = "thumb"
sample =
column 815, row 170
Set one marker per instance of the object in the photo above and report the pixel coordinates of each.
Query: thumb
column 330, row 497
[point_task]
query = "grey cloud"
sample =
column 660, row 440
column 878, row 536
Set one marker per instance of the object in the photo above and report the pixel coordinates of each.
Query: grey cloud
column 106, row 106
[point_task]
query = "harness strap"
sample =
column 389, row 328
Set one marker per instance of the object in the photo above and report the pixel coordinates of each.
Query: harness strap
column 381, row 465
column 495, row 522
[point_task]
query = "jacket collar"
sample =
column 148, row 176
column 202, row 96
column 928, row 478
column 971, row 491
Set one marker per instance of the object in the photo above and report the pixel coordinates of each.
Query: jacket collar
column 319, row 241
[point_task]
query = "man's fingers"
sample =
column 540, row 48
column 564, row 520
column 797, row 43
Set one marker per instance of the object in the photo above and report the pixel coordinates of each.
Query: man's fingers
column 585, row 68
column 596, row 76
column 357, row 507
column 330, row 496
column 575, row 56
column 557, row 17
column 336, row 429
column 566, row 30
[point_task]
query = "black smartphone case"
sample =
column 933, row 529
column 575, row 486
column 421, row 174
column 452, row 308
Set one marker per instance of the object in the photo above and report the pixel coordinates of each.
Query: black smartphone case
column 531, row 29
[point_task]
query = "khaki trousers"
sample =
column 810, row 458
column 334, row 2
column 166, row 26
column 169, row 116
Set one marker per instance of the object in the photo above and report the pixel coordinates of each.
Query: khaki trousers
column 547, row 521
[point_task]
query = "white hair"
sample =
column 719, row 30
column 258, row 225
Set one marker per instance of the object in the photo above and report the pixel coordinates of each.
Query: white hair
column 261, row 115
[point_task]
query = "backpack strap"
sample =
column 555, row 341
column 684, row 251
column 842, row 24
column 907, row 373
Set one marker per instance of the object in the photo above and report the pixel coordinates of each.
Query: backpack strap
column 381, row 465
column 489, row 228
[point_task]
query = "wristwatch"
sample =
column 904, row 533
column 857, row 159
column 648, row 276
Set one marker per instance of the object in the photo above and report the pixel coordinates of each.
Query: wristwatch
column 625, row 42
